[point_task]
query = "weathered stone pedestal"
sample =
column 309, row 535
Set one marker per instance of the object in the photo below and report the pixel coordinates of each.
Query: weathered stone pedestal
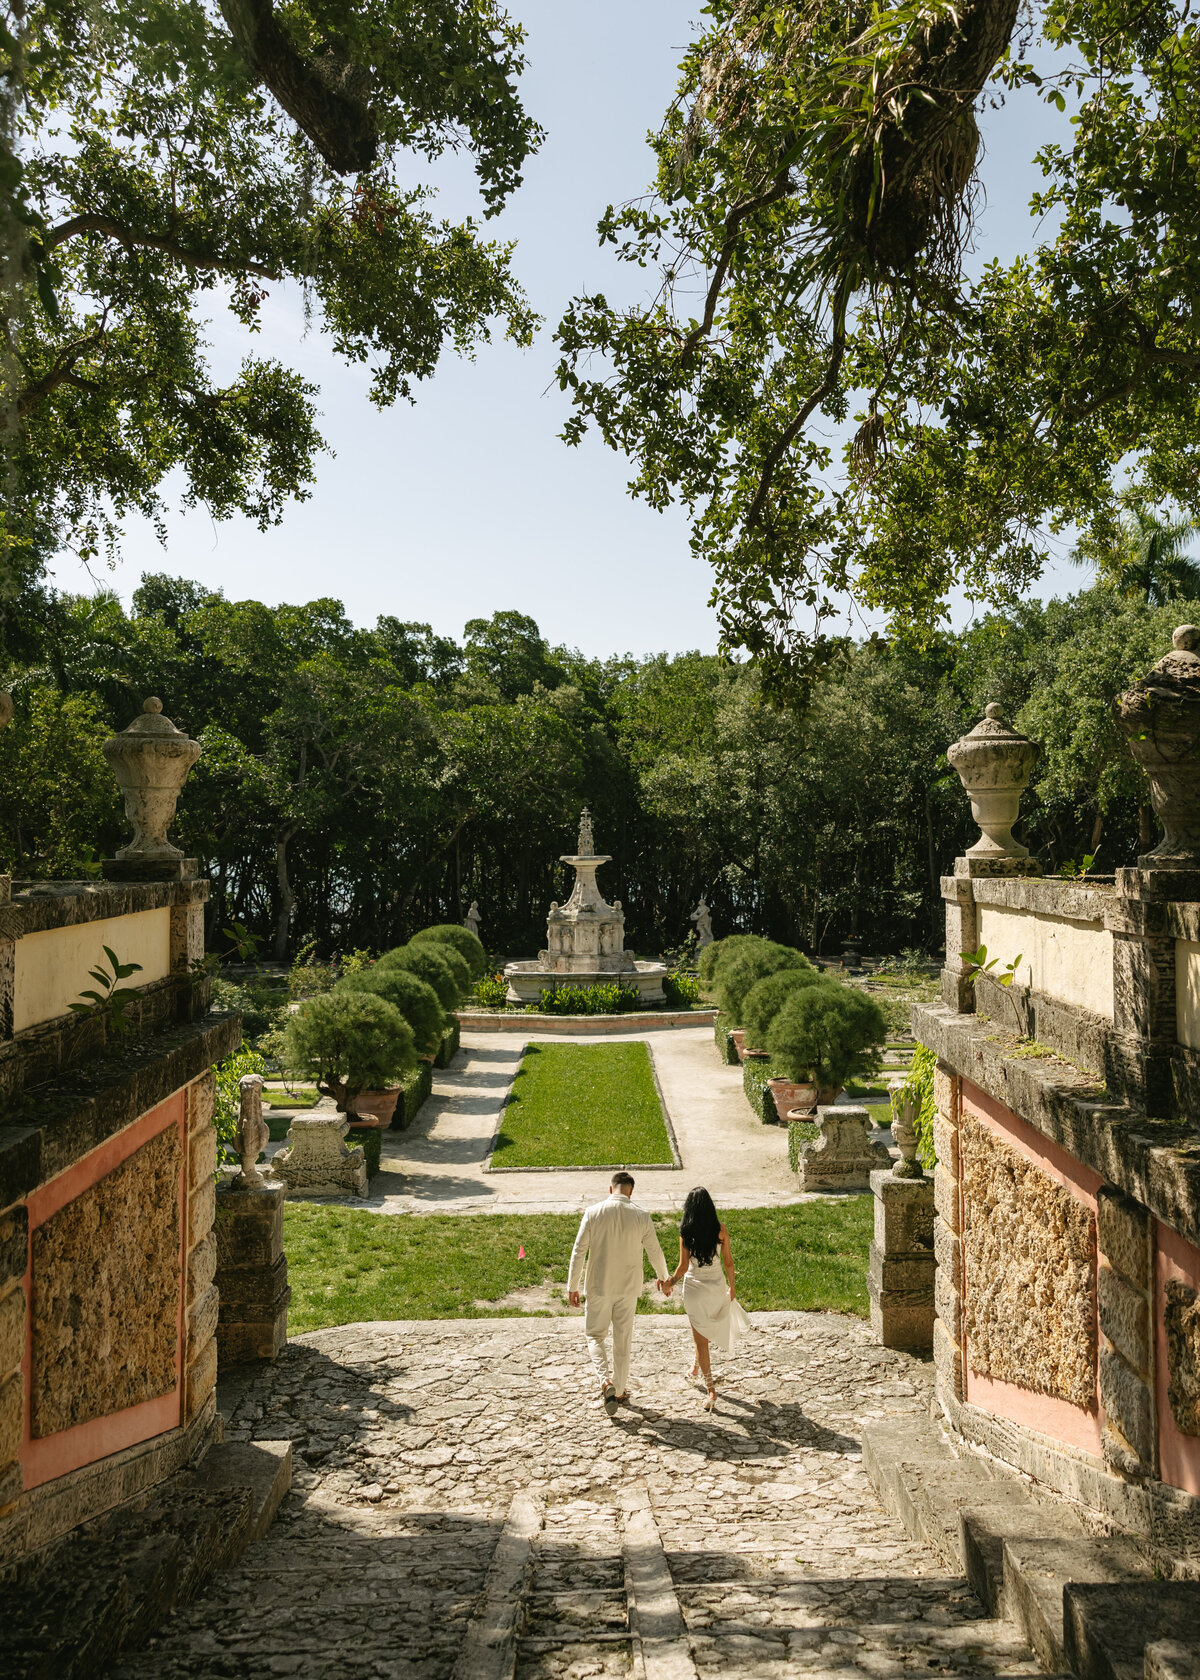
column 902, row 1265
column 251, row 1272
column 318, row 1163
column 844, row 1156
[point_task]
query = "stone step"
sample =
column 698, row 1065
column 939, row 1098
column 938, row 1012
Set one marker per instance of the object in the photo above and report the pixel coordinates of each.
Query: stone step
column 1037, row 1571
column 1087, row 1604
column 106, row 1586
column 1111, row 1629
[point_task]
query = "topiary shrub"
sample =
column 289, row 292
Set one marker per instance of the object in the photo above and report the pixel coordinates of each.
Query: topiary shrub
column 468, row 945
column 414, row 998
column 440, row 966
column 827, row 1033
column 348, row 1042
column 706, row 967
column 741, row 969
column 766, row 997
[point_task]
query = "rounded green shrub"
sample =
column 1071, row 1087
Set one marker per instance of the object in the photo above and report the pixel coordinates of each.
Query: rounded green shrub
column 741, row 969
column 766, row 997
column 706, row 966
column 414, row 998
column 349, row 1042
column 468, row 945
column 440, row 966
column 830, row 1033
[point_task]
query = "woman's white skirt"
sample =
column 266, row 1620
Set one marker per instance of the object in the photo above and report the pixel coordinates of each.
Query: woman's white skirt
column 712, row 1314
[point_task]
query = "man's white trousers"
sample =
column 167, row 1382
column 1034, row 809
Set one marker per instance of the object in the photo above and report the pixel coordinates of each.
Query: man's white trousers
column 604, row 1313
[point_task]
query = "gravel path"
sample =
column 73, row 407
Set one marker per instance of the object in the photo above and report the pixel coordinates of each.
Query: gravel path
column 664, row 1544
column 437, row 1166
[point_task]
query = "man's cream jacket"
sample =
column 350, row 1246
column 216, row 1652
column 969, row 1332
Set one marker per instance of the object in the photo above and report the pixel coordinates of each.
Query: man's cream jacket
column 608, row 1250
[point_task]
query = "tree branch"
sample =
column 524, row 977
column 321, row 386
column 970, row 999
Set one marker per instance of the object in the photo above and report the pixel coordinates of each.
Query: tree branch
column 132, row 239
column 733, row 221
column 823, row 390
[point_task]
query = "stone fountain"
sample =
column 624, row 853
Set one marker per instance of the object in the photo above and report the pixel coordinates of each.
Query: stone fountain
column 585, row 939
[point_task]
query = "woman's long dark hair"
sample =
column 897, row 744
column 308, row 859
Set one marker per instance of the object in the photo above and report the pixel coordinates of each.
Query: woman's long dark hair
column 700, row 1227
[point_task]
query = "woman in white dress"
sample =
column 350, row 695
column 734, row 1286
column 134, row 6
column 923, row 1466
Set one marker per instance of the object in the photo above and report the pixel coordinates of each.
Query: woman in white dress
column 709, row 1295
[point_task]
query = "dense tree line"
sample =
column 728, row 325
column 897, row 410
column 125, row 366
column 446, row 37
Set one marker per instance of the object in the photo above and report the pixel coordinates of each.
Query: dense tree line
column 358, row 784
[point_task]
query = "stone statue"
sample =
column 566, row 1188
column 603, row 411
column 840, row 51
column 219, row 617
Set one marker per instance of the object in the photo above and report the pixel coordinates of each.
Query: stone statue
column 587, row 844
column 473, row 918
column 151, row 760
column 702, row 916
column 252, row 1133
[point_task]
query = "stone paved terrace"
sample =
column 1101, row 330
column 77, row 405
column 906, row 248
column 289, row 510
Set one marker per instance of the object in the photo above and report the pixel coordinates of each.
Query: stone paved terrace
column 747, row 1544
column 437, row 1166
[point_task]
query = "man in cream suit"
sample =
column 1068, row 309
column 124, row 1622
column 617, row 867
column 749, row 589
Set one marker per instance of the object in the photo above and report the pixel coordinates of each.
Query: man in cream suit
column 607, row 1261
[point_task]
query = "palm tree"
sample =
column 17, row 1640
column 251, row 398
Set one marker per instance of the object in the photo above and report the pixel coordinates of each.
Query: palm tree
column 1146, row 559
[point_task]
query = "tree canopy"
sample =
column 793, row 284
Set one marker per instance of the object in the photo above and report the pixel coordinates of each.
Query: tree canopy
column 815, row 193
column 158, row 159
column 358, row 784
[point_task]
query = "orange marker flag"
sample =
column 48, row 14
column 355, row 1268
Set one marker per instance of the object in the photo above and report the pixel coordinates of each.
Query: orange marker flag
column 521, row 1254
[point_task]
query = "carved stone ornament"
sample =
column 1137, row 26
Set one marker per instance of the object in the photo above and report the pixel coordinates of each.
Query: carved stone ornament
column 1160, row 718
column 994, row 764
column 151, row 760
column 904, row 1130
column 252, row 1131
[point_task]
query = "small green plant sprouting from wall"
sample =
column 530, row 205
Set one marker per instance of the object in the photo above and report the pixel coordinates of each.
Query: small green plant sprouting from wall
column 112, row 997
column 975, row 963
column 1077, row 869
column 919, row 1086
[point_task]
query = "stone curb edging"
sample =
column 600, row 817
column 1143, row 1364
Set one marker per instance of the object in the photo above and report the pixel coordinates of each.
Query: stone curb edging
column 497, row 1021
column 676, row 1163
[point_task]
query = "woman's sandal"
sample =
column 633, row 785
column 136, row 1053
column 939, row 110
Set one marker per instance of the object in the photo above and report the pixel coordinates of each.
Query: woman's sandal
column 710, row 1405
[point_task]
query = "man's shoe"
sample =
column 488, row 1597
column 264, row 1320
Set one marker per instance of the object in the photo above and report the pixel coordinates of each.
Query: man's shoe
column 610, row 1401
column 623, row 1399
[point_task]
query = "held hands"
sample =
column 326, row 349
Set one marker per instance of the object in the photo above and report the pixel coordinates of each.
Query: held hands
column 573, row 1297
column 664, row 1286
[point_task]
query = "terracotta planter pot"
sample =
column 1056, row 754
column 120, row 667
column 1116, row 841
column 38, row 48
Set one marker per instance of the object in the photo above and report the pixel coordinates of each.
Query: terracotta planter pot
column 374, row 1108
column 739, row 1043
column 791, row 1096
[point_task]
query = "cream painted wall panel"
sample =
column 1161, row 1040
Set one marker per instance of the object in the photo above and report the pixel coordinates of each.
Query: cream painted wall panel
column 1069, row 961
column 51, row 967
column 1187, row 993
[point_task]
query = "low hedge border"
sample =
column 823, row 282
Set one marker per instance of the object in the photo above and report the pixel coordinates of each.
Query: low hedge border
column 755, row 1074
column 724, row 1043
column 414, row 1088
column 371, row 1138
column 799, row 1131
column 448, row 1048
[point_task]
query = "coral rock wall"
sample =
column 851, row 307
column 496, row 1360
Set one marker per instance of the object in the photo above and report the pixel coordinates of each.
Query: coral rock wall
column 106, row 1335
column 1029, row 1250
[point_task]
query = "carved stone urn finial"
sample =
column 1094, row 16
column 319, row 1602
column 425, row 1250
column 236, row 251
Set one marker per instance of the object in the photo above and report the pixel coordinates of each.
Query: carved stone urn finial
column 586, row 843
column 1160, row 718
column 904, row 1130
column 151, row 760
column 994, row 764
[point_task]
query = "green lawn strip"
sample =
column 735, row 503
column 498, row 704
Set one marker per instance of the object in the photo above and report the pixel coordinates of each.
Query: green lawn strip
column 583, row 1105
column 303, row 1098
column 347, row 1267
column 880, row 1112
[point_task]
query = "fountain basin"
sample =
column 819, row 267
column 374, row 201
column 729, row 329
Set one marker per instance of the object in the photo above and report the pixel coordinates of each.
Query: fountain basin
column 528, row 980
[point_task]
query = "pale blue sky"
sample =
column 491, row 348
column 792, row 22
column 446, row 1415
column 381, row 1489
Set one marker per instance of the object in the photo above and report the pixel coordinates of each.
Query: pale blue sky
column 468, row 502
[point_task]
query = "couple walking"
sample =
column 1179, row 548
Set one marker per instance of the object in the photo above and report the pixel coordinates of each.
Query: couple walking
column 606, row 1263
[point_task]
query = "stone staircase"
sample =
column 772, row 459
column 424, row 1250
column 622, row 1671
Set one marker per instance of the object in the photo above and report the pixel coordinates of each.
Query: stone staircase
column 621, row 1589
column 69, row 1611
column 1089, row 1603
